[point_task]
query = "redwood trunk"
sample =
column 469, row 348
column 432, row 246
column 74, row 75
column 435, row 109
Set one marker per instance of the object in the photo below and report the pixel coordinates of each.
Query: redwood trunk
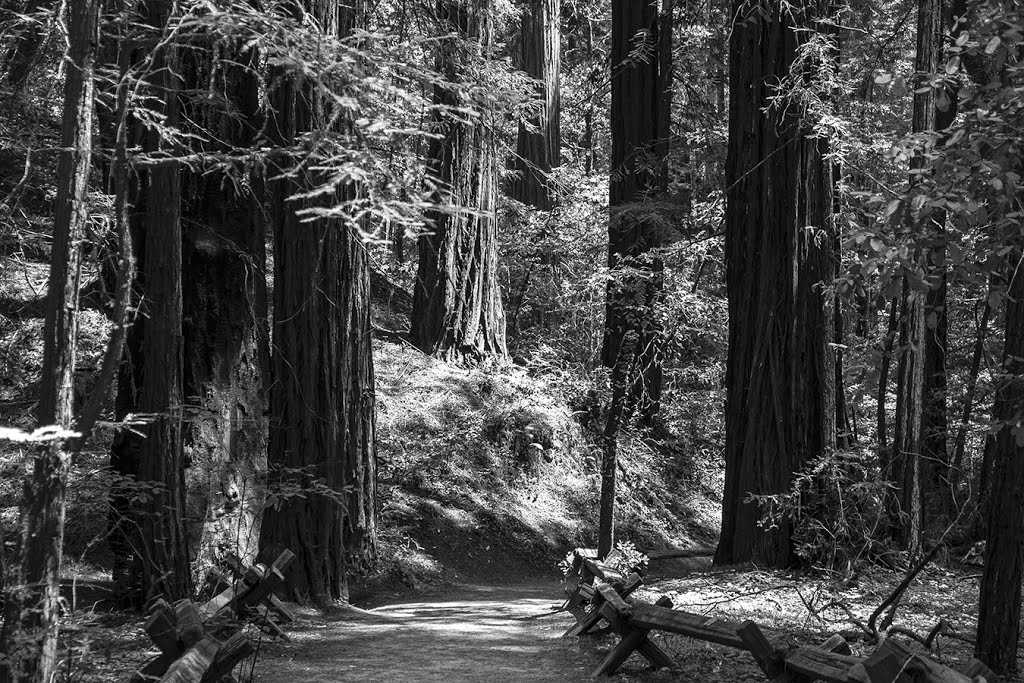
column 457, row 309
column 45, row 493
column 638, row 175
column 780, row 406
column 999, row 611
column 538, row 146
column 321, row 404
column 225, row 329
column 149, row 539
column 920, row 392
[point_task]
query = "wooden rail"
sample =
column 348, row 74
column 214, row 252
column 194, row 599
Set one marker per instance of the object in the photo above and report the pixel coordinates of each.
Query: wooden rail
column 832, row 660
column 204, row 643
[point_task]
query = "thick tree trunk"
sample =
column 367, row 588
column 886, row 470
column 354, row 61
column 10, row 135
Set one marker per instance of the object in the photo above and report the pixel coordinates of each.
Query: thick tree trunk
column 621, row 371
column 638, row 175
column 322, row 402
column 906, row 466
column 999, row 611
column 45, row 492
column 149, row 540
column 539, row 144
column 225, row 330
column 780, row 406
column 457, row 309
column 920, row 391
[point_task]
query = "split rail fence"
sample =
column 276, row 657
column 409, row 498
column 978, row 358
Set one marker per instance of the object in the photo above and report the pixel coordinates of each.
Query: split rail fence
column 609, row 595
column 203, row 643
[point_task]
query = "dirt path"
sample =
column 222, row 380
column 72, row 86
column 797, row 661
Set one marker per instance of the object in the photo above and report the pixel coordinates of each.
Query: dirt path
column 477, row 634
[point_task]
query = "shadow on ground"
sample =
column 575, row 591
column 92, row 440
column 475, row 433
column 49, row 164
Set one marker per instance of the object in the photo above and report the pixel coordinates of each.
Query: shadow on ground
column 474, row 634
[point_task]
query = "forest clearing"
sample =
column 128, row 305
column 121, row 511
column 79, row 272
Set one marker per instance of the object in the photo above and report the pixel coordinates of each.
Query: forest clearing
column 511, row 340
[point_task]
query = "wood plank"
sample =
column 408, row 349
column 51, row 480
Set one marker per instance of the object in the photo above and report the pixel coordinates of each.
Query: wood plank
column 621, row 652
column 188, row 623
column 886, row 667
column 975, row 668
column 604, row 572
column 153, row 669
column 264, row 623
column 835, row 643
column 191, row 666
column 914, row 663
column 827, row 666
column 610, row 596
column 283, row 561
column 231, row 653
column 679, row 553
column 619, row 621
column 160, row 628
column 767, row 657
column 712, row 630
column 222, row 600
column 265, row 587
column 633, row 582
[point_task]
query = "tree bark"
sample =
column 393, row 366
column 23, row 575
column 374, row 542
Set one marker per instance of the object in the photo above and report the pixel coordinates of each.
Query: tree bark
column 457, row 309
column 920, row 392
column 999, row 610
column 956, row 470
column 227, row 355
column 780, row 405
column 148, row 537
column 621, row 371
column 638, row 175
column 539, row 143
column 321, row 402
column 883, row 381
column 45, row 493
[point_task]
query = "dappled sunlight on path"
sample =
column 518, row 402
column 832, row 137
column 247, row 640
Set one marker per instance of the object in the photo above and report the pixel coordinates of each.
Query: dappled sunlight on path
column 479, row 633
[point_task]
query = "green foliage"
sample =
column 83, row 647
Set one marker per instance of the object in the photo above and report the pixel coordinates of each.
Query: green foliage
column 837, row 508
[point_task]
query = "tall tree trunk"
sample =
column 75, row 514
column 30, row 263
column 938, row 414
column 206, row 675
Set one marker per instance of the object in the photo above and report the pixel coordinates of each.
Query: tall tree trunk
column 322, row 403
column 956, row 469
column 999, row 610
column 148, row 535
column 920, row 400
column 883, row 381
column 539, row 143
column 639, row 136
column 225, row 329
column 457, row 309
column 780, row 406
column 906, row 464
column 45, row 492
column 621, row 371
column 164, row 560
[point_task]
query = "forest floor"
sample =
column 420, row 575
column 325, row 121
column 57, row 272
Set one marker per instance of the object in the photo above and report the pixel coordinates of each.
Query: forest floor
column 512, row 632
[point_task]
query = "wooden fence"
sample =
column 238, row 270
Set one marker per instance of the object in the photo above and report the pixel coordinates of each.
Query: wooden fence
column 610, row 600
column 204, row 643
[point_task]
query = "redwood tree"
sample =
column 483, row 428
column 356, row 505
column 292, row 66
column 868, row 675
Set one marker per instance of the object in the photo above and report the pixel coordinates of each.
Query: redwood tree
column 45, row 492
column 999, row 611
column 457, row 309
column 920, row 428
column 539, row 142
column 225, row 307
column 321, row 401
column 148, row 536
column 780, row 405
column 639, row 129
